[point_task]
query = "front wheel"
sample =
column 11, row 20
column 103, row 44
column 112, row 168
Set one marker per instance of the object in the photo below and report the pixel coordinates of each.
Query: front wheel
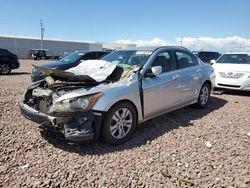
column 203, row 96
column 119, row 123
column 4, row 69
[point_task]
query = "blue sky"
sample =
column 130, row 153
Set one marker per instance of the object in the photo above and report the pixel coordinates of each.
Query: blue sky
column 112, row 20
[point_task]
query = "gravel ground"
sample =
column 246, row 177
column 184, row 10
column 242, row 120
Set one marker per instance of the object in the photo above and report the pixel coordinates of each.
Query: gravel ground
column 203, row 148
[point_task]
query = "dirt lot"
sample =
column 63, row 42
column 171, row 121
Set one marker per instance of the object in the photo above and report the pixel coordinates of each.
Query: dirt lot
column 164, row 152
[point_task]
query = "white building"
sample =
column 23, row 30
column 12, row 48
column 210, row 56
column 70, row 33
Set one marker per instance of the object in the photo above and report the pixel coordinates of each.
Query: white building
column 21, row 45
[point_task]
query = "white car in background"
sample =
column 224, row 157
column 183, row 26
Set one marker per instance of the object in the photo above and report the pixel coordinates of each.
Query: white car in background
column 232, row 71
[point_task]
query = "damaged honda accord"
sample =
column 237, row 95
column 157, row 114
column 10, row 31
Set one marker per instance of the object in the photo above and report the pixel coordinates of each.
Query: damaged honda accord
column 108, row 98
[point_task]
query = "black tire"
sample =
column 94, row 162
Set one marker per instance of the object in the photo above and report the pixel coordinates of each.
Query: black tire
column 110, row 123
column 5, row 69
column 204, row 96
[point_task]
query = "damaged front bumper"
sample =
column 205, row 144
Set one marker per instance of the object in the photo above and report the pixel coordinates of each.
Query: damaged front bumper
column 76, row 127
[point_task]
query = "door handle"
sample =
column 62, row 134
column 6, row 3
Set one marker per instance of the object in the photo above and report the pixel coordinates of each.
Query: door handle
column 176, row 76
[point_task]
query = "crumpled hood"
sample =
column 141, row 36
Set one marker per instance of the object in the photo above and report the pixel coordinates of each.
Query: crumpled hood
column 99, row 70
column 90, row 71
column 231, row 67
column 64, row 75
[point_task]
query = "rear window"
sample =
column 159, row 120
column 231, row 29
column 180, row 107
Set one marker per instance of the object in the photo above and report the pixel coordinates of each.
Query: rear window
column 213, row 55
column 89, row 56
column 235, row 59
column 5, row 52
column 72, row 57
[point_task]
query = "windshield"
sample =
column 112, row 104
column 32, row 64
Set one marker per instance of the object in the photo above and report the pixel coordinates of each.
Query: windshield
column 71, row 58
column 235, row 59
column 128, row 59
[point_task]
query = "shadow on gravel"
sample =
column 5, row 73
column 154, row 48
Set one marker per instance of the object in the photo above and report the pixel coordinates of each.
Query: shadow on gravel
column 16, row 73
column 146, row 132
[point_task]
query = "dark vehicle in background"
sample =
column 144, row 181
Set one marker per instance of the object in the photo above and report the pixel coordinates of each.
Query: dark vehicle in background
column 207, row 56
column 69, row 61
column 8, row 61
column 37, row 54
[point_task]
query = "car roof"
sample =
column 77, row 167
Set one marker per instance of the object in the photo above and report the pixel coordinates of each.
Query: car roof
column 205, row 51
column 153, row 48
column 4, row 49
column 91, row 51
column 39, row 49
column 238, row 53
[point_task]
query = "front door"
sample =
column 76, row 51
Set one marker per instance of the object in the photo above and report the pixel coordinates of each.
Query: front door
column 162, row 92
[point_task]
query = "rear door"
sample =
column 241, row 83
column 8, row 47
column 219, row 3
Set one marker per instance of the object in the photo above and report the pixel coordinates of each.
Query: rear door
column 162, row 92
column 190, row 73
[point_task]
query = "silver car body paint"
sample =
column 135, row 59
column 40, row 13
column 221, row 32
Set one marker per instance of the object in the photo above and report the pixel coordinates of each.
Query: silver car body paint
column 161, row 94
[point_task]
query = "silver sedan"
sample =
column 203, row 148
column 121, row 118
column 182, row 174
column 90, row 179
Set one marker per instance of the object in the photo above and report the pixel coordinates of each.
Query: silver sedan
column 141, row 83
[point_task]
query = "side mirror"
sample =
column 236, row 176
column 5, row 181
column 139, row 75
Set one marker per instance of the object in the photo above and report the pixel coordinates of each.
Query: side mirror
column 212, row 61
column 154, row 71
column 157, row 70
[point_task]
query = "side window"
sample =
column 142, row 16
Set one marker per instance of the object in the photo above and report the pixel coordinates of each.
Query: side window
column 215, row 56
column 99, row 54
column 210, row 55
column 165, row 61
column 202, row 56
column 90, row 55
column 185, row 60
column 3, row 52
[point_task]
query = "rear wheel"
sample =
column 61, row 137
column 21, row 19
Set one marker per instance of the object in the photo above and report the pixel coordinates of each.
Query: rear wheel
column 119, row 123
column 203, row 96
column 4, row 68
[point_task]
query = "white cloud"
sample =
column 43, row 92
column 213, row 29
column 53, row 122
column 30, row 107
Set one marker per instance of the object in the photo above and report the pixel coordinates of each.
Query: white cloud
column 234, row 43
column 153, row 42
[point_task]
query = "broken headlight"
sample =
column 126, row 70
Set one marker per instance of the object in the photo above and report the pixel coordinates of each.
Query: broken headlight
column 84, row 103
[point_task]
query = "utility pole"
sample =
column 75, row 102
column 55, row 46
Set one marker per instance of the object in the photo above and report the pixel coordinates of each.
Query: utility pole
column 181, row 40
column 42, row 32
column 15, row 45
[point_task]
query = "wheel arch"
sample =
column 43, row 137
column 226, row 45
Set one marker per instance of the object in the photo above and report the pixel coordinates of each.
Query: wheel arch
column 100, row 129
column 209, row 83
column 128, row 101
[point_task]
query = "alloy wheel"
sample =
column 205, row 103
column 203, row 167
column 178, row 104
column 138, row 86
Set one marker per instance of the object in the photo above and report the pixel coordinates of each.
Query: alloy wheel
column 121, row 123
column 204, row 95
column 4, row 68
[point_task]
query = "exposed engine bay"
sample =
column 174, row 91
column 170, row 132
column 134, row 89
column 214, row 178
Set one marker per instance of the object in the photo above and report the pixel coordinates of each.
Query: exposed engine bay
column 40, row 97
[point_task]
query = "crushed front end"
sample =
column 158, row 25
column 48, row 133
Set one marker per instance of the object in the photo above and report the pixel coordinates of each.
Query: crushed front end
column 72, row 117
